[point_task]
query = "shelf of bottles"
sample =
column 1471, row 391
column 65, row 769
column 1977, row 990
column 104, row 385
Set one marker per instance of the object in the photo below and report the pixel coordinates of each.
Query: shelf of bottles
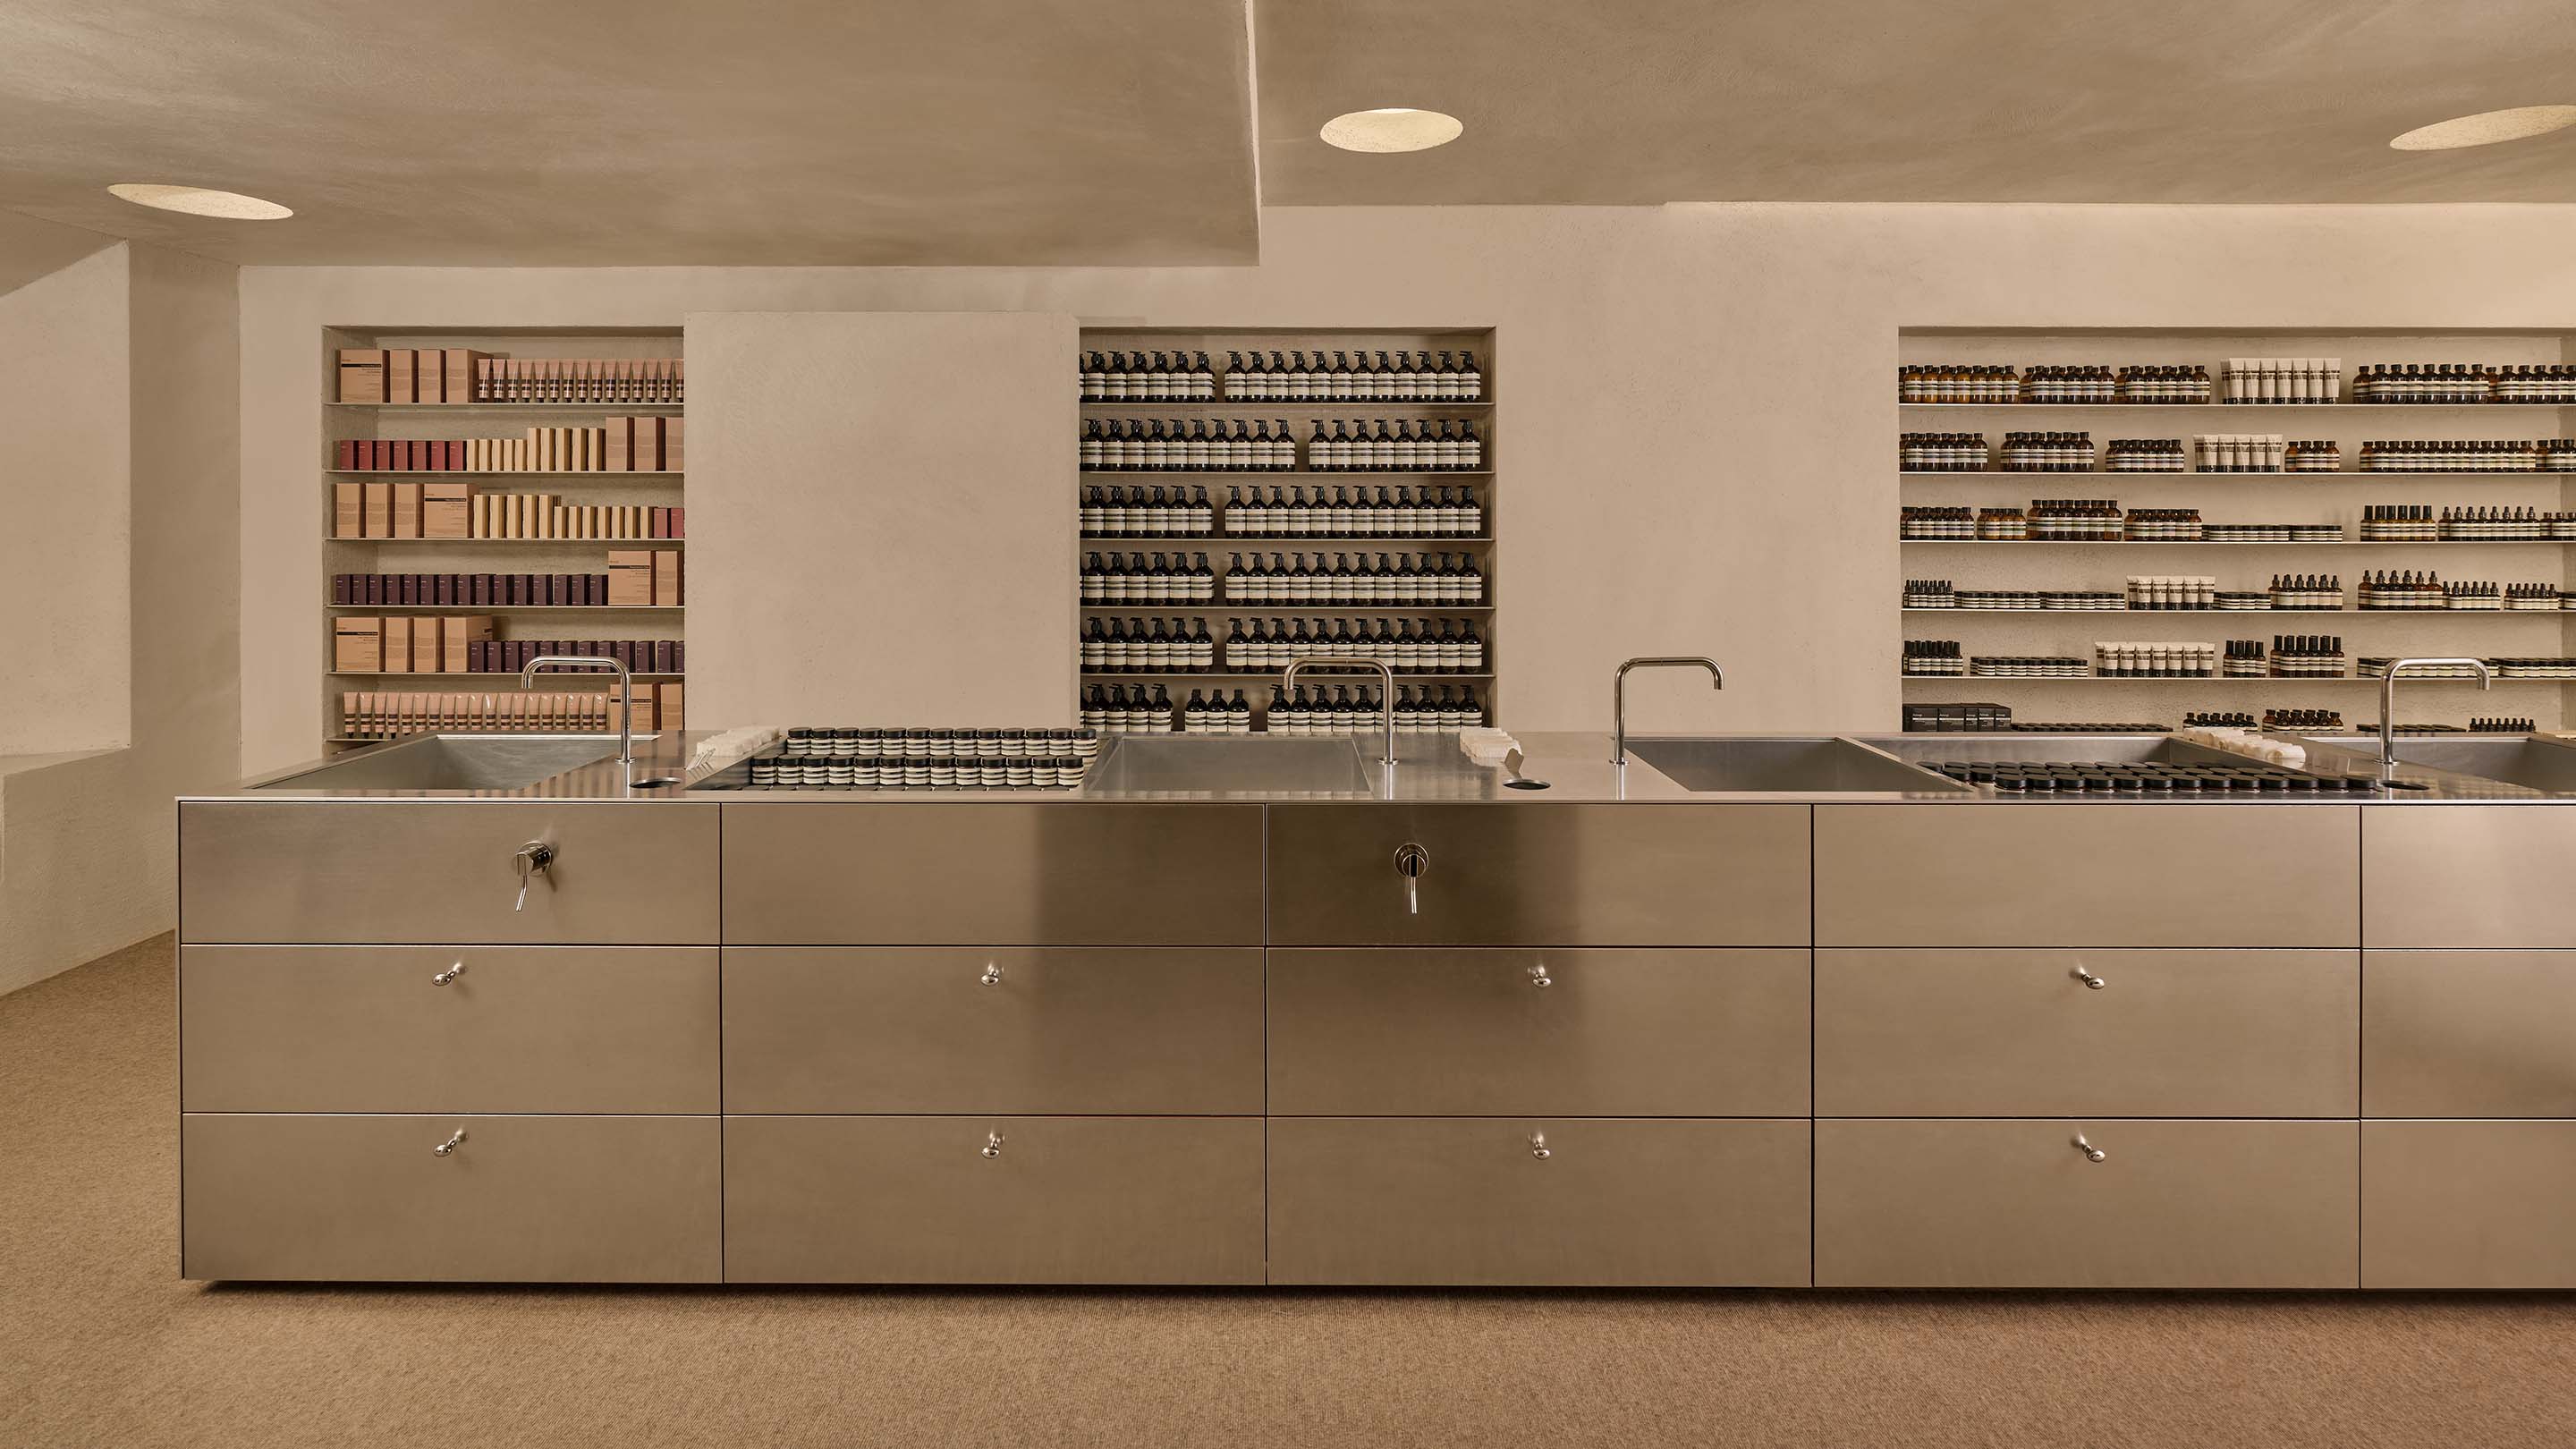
column 550, row 377
column 2257, row 462
column 1248, row 497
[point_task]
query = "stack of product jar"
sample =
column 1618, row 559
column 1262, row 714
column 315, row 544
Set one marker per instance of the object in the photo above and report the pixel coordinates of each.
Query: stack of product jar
column 2155, row 660
column 2162, row 525
column 2243, row 601
column 1941, row 452
column 2070, row 383
column 2284, row 379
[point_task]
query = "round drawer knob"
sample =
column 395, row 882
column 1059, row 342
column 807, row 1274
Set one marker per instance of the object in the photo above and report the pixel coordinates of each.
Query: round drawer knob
column 2091, row 1152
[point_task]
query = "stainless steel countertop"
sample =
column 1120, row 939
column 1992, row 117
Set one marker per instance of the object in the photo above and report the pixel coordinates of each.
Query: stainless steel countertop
column 1431, row 769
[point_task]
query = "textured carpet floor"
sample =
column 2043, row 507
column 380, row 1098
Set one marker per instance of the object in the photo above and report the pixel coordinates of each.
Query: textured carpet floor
column 101, row 1344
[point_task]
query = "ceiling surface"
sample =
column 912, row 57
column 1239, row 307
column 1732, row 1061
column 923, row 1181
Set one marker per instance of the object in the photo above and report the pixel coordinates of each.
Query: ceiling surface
column 1122, row 132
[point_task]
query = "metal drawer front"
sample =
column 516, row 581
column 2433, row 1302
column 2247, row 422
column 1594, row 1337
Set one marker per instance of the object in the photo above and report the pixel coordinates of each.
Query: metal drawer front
column 1612, row 1203
column 617, row 1029
column 1596, row 1033
column 2088, row 875
column 519, row 1199
column 1540, row 875
column 2468, row 875
column 898, row 873
column 2467, row 1204
column 1068, row 1029
column 992, row 1200
column 2469, row 1034
column 2016, row 1204
column 444, row 871
column 1991, row 1033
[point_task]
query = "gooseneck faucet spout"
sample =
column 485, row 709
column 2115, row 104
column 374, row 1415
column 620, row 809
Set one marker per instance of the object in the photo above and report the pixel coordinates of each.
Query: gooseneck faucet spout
column 1619, row 694
column 1386, row 700
column 625, row 694
column 2388, row 705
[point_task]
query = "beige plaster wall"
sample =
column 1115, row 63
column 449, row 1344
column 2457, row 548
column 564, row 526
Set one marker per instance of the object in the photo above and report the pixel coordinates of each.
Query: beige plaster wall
column 1695, row 424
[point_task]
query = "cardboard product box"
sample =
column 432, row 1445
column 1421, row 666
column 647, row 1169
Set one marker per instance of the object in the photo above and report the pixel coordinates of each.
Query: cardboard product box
column 401, row 375
column 643, row 710
column 357, row 644
column 674, row 434
column 380, row 510
column 617, row 445
column 630, row 577
column 644, row 444
column 458, row 636
column 348, row 510
column 666, row 577
column 666, row 705
column 428, row 647
column 407, row 510
column 457, row 366
column 362, row 375
column 398, row 632
column 447, row 510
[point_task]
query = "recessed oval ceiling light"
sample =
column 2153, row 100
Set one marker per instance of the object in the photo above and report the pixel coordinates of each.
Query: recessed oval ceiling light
column 198, row 201
column 2486, row 128
column 1392, row 128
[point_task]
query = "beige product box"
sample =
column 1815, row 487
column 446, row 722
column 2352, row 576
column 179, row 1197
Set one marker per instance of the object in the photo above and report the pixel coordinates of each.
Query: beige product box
column 666, row 706
column 429, row 376
column 459, row 633
column 617, row 445
column 646, row 445
column 666, row 577
column 362, row 375
column 446, row 510
column 644, row 712
column 379, row 510
column 428, row 648
column 398, row 631
column 348, row 510
column 401, row 375
column 674, row 432
column 630, row 577
column 457, row 368
column 357, row 644
column 407, row 507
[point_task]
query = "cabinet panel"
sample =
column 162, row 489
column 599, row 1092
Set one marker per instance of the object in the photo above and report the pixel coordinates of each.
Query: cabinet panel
column 898, row 873
column 2467, row 1204
column 1987, row 1033
column 992, row 1200
column 1000, row 1029
column 2469, row 875
column 2470, row 1034
column 2088, row 875
column 1471, row 1202
column 2017, row 1204
column 1540, row 875
column 445, row 871
column 1594, row 1033
column 618, row 1029
column 520, row 1199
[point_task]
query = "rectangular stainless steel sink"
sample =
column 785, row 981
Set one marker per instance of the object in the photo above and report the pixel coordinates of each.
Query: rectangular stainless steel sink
column 2506, row 759
column 2053, row 749
column 455, row 762
column 1195, row 763
column 1786, row 766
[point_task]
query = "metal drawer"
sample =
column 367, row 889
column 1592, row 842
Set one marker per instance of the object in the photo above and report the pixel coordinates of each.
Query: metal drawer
column 1470, row 1202
column 1593, row 1033
column 2469, row 1034
column 520, row 1199
column 2015, row 1203
column 2469, row 875
column 1995, row 1033
column 898, row 873
column 1071, row 1029
column 615, row 1029
column 444, row 871
column 2088, row 875
column 2467, row 1204
column 992, row 1200
column 1540, row 875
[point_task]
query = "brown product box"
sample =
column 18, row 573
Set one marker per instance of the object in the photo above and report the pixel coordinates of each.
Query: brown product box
column 401, row 376
column 674, row 431
column 617, row 450
column 357, row 645
column 643, row 709
column 666, row 577
column 428, row 654
column 407, row 506
column 398, row 632
column 348, row 510
column 666, row 706
column 446, row 510
column 630, row 577
column 645, row 446
column 458, row 366
column 429, row 376
column 379, row 510
column 362, row 375
column 459, row 633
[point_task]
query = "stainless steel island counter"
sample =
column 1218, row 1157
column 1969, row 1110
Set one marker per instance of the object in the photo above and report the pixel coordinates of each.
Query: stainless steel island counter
column 1738, row 1012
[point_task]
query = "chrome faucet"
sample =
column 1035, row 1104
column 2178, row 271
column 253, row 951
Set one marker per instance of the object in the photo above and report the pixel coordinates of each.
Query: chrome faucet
column 625, row 694
column 1386, row 700
column 1619, row 694
column 2388, row 707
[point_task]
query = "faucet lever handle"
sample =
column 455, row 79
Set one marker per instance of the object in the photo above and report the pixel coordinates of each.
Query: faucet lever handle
column 533, row 859
column 1411, row 860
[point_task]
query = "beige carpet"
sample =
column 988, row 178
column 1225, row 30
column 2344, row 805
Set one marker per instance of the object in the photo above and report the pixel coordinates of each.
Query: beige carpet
column 101, row 1344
